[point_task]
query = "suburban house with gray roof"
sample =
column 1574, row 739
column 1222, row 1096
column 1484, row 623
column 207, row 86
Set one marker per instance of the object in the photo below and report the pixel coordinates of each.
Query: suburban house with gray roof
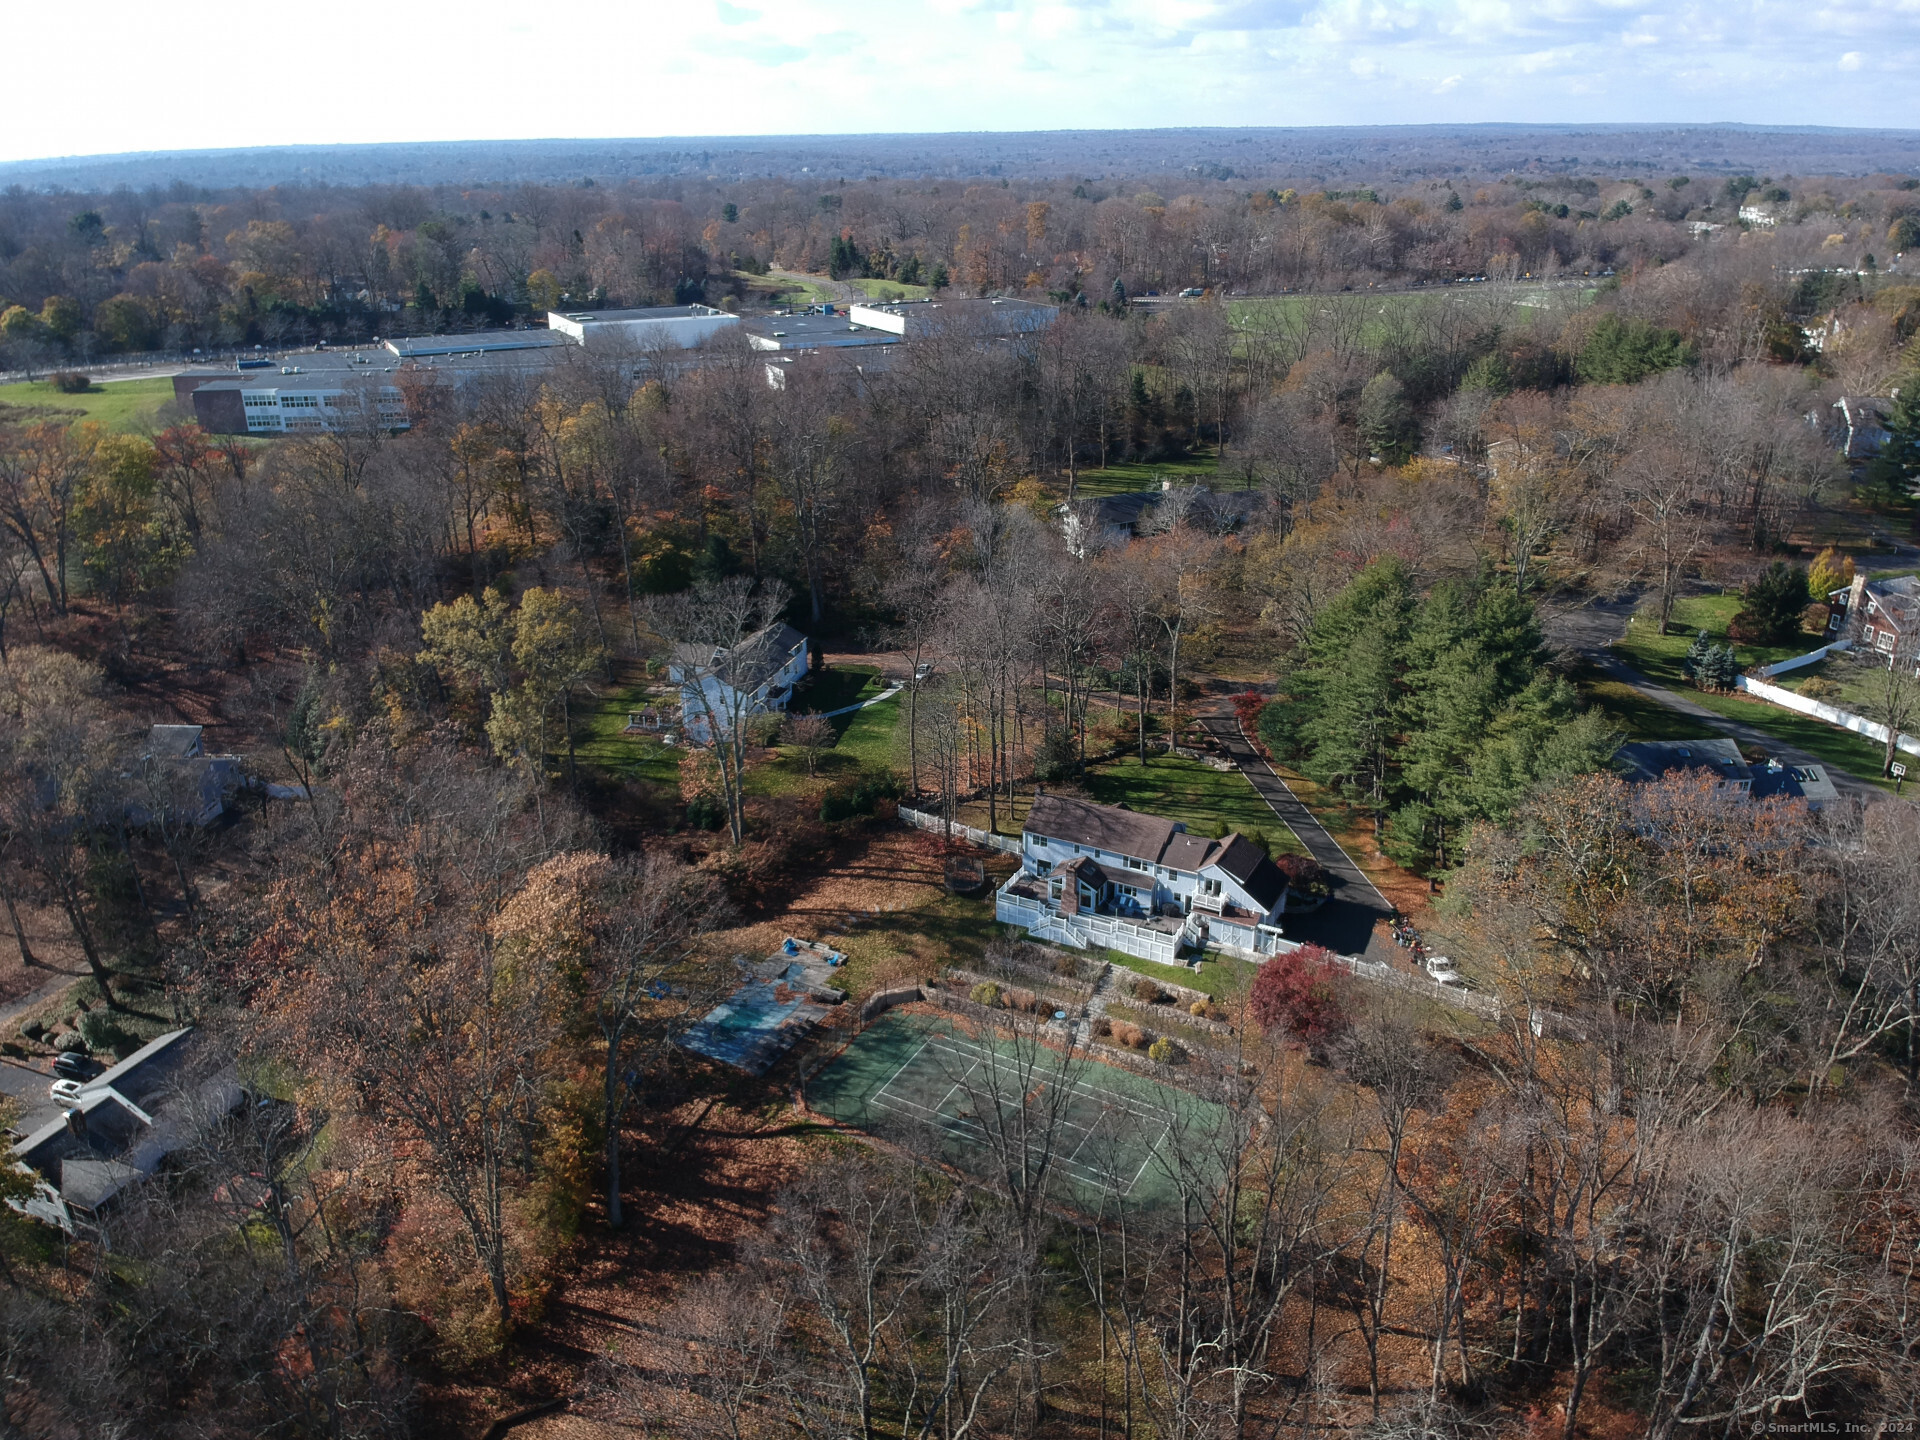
column 118, row 1128
column 1101, row 875
column 1648, row 760
column 722, row 688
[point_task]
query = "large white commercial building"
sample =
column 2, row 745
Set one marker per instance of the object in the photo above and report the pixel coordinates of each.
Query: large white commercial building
column 661, row 327
column 981, row 319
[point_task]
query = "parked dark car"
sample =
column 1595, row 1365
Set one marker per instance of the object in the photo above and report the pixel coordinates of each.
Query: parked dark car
column 73, row 1066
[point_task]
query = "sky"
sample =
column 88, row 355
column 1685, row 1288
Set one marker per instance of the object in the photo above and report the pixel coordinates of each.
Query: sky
column 153, row 77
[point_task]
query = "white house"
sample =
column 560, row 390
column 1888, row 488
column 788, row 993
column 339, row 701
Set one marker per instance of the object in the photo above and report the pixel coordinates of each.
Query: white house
column 1097, row 875
column 722, row 687
column 1864, row 418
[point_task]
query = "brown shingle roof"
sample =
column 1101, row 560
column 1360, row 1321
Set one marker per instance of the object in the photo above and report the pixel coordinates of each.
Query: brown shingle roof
column 1189, row 852
column 1122, row 832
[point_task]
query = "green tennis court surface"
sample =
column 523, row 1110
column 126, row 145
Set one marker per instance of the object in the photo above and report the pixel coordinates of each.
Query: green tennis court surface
column 920, row 1081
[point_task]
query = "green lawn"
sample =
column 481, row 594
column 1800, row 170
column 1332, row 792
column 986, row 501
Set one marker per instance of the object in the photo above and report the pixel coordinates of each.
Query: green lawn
column 1219, row 976
column 603, row 745
column 837, row 688
column 1633, row 713
column 1142, row 475
column 1861, row 681
column 1183, row 789
column 870, row 736
column 891, row 290
column 791, row 289
column 946, row 930
column 1659, row 656
column 124, row 405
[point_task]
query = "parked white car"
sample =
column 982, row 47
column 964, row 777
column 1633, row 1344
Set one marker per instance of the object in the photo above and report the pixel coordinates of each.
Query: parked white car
column 65, row 1092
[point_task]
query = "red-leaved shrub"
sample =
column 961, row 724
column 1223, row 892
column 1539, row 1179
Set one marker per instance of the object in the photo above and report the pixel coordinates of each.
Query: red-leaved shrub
column 1247, row 706
column 1298, row 994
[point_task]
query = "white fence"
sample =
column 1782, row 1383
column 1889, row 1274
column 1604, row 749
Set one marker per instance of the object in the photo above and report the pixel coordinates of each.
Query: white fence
column 1085, row 932
column 1845, row 719
column 1800, row 662
column 920, row 820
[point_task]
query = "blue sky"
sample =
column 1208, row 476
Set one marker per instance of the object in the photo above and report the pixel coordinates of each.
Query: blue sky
column 117, row 76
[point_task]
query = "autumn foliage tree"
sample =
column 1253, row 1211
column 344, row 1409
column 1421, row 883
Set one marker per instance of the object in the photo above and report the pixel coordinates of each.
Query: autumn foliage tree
column 439, row 1005
column 1297, row 994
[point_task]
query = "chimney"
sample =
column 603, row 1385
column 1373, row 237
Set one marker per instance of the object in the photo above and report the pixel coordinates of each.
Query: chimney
column 1857, row 605
column 76, row 1119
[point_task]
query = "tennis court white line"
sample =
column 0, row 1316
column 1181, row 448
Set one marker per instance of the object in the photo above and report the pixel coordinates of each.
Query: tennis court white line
column 903, row 1067
column 975, row 1129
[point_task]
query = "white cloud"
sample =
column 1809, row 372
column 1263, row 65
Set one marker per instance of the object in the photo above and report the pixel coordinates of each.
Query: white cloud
column 746, row 67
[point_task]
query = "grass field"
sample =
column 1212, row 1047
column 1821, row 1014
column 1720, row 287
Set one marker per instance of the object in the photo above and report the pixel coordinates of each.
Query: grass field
column 1140, row 475
column 1861, row 681
column 1660, row 657
column 123, row 405
column 871, row 736
column 924, row 940
column 944, row 1093
column 863, row 739
column 787, row 288
column 1633, row 713
column 603, row 745
column 1220, row 976
column 1379, row 310
column 1183, row 789
column 890, row 290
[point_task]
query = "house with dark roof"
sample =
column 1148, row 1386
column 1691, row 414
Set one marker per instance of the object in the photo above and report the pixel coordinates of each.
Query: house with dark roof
column 179, row 776
column 723, row 688
column 1648, row 760
column 1100, row 521
column 1863, row 423
column 118, row 1128
column 1103, row 875
column 1880, row 615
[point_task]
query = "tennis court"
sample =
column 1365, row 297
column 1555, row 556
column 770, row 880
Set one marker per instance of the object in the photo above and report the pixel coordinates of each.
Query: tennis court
column 921, row 1081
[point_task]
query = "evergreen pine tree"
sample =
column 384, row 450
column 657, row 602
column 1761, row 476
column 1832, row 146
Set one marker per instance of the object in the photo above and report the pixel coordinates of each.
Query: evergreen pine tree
column 1696, row 656
column 1896, row 469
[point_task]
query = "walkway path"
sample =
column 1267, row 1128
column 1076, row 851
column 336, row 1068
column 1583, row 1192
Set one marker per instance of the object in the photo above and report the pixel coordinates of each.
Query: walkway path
column 1095, row 1008
column 1345, row 923
column 886, row 694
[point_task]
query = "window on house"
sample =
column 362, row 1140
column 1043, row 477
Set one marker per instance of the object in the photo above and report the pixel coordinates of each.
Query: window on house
column 1133, row 864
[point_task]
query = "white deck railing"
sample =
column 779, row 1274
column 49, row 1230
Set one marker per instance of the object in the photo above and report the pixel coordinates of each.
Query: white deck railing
column 1086, row 931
